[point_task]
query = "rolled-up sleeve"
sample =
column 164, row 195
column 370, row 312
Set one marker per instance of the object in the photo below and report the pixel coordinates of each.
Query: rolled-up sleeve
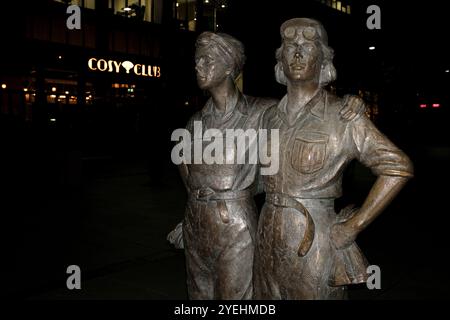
column 377, row 152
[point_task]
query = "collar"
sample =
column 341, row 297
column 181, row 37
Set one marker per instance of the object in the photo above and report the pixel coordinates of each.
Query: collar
column 237, row 102
column 319, row 104
column 316, row 106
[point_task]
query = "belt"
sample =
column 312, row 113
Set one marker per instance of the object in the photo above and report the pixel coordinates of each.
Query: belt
column 285, row 201
column 208, row 194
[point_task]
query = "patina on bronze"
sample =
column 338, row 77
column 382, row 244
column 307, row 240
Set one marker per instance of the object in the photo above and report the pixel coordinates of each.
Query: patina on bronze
column 220, row 219
column 303, row 249
column 219, row 228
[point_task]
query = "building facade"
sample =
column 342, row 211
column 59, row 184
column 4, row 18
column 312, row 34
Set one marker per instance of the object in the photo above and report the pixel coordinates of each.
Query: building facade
column 126, row 69
column 132, row 60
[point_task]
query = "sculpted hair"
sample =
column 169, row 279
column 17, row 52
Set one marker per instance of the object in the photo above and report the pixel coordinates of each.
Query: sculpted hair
column 228, row 47
column 327, row 71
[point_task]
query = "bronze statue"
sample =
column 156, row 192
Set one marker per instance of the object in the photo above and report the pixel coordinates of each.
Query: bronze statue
column 220, row 221
column 303, row 249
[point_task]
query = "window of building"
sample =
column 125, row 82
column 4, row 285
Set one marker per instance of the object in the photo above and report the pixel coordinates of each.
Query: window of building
column 144, row 10
column 338, row 5
column 186, row 14
column 63, row 91
column 89, row 4
column 214, row 12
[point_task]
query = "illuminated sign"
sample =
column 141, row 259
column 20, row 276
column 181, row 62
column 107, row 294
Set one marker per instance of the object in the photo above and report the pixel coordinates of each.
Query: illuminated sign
column 141, row 70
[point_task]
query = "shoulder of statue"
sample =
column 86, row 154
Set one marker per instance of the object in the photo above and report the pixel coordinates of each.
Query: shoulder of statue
column 267, row 102
column 270, row 112
column 197, row 116
column 260, row 102
column 335, row 105
column 258, row 105
column 354, row 102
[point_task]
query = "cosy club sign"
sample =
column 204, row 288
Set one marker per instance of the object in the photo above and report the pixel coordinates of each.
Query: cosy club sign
column 141, row 70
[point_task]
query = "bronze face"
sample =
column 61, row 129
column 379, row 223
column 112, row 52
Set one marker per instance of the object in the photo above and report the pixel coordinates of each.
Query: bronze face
column 211, row 67
column 301, row 57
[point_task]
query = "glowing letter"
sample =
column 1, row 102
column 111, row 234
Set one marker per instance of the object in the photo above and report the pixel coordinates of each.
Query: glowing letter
column 117, row 65
column 136, row 66
column 102, row 65
column 90, row 63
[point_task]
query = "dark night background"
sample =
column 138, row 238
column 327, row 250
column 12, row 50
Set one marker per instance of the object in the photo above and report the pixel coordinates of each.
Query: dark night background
column 97, row 187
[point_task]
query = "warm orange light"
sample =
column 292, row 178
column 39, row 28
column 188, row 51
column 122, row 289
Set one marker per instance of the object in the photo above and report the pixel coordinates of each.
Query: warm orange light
column 3, row 86
column 104, row 65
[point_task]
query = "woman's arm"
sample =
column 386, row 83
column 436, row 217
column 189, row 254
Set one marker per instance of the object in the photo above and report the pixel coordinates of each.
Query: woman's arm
column 382, row 193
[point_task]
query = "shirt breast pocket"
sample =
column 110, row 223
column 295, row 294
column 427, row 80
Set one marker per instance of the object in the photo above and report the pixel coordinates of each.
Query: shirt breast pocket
column 309, row 151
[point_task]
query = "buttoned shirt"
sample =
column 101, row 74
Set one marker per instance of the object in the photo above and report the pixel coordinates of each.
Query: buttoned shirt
column 315, row 149
column 241, row 112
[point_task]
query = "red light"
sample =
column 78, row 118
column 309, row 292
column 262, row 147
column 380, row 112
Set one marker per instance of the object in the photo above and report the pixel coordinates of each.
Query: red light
column 436, row 105
column 423, row 105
